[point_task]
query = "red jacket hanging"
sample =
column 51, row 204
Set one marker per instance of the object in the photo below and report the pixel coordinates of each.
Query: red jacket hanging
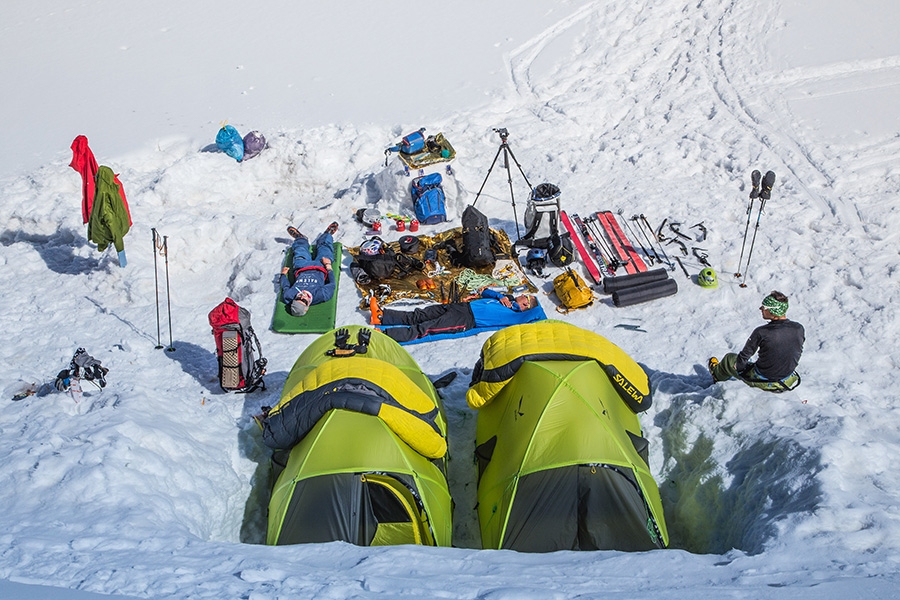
column 84, row 162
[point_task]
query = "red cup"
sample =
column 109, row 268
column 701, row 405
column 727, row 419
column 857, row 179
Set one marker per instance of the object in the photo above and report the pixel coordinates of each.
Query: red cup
column 414, row 225
column 401, row 226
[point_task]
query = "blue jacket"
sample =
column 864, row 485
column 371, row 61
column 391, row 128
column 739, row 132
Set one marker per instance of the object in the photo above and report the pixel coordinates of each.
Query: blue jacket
column 309, row 271
column 312, row 280
column 488, row 311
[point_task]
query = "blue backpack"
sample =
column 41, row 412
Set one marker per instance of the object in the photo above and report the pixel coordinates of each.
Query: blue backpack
column 428, row 199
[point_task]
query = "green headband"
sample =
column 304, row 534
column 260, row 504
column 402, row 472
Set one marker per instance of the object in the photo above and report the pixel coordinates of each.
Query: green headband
column 779, row 309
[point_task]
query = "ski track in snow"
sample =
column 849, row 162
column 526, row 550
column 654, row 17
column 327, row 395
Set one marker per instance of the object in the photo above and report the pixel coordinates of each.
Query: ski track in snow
column 887, row 69
column 662, row 99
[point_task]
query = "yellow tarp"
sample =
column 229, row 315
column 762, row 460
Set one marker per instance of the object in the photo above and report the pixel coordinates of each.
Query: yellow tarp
column 506, row 272
column 426, row 157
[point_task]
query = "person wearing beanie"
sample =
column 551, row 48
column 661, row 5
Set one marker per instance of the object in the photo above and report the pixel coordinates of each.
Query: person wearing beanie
column 313, row 278
column 779, row 344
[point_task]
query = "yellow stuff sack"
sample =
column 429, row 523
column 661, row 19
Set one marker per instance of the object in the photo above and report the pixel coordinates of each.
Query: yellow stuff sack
column 572, row 291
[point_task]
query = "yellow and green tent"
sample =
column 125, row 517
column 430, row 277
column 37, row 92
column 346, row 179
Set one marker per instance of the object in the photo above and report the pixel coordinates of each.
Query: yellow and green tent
column 562, row 461
column 361, row 444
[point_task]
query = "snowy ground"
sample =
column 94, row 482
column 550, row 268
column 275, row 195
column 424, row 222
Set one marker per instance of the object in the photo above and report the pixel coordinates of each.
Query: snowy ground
column 157, row 487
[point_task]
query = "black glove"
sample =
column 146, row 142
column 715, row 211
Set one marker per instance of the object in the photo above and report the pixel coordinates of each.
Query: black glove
column 341, row 337
column 362, row 340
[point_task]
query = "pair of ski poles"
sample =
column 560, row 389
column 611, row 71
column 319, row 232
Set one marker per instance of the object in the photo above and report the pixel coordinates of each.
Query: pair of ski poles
column 761, row 187
column 161, row 246
column 643, row 226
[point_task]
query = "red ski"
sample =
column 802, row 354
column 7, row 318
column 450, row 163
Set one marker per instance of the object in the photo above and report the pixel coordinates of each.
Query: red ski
column 624, row 241
column 586, row 258
column 626, row 259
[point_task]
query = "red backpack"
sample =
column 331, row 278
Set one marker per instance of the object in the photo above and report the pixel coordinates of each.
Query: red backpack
column 239, row 370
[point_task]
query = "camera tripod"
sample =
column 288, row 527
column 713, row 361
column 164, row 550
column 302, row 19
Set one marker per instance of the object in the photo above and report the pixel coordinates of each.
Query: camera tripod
column 507, row 154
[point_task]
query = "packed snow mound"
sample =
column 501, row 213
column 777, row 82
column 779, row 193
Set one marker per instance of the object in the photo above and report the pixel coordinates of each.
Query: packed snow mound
column 157, row 486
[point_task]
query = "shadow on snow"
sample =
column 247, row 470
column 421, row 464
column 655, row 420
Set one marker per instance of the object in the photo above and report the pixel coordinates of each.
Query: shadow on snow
column 722, row 489
column 56, row 250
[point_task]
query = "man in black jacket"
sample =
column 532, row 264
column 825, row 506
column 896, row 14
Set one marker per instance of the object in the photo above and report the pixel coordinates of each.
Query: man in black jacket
column 779, row 343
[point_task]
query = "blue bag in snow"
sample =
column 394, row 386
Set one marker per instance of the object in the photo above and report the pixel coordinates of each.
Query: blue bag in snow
column 428, row 199
column 229, row 141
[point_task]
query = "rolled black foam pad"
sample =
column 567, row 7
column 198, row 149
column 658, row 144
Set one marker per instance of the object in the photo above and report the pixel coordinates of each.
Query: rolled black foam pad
column 644, row 292
column 611, row 284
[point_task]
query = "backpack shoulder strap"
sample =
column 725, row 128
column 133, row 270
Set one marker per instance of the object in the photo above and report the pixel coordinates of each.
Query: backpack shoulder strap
column 258, row 370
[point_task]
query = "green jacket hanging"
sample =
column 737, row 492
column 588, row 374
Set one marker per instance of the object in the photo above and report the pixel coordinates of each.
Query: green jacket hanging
column 109, row 221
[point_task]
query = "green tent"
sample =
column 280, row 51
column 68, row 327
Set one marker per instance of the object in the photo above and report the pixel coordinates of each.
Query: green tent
column 561, row 458
column 365, row 452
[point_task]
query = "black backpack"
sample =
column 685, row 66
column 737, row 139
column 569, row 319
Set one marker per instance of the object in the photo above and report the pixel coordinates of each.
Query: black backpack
column 379, row 266
column 379, row 261
column 476, row 239
column 561, row 252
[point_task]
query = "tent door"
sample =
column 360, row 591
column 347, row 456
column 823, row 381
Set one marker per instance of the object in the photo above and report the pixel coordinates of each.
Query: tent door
column 399, row 519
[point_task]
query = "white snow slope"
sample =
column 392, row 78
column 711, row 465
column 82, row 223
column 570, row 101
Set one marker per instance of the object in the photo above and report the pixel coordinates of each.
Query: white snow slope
column 157, row 487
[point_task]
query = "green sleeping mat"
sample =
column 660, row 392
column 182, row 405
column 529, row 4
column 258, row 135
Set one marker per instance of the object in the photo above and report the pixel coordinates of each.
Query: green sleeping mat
column 320, row 317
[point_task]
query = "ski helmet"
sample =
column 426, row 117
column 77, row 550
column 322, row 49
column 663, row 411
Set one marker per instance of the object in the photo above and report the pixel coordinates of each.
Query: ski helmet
column 536, row 254
column 536, row 259
column 372, row 247
column 707, row 278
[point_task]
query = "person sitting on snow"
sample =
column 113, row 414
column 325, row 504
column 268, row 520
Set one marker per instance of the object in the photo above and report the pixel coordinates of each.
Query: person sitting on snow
column 488, row 308
column 779, row 343
column 313, row 277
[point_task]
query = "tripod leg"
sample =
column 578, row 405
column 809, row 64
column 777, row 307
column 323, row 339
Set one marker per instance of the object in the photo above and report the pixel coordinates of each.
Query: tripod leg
column 512, row 195
column 509, row 150
column 509, row 154
column 491, row 168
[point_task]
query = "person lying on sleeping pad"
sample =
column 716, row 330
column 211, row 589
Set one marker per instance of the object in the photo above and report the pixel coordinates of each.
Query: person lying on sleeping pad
column 313, row 279
column 488, row 308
